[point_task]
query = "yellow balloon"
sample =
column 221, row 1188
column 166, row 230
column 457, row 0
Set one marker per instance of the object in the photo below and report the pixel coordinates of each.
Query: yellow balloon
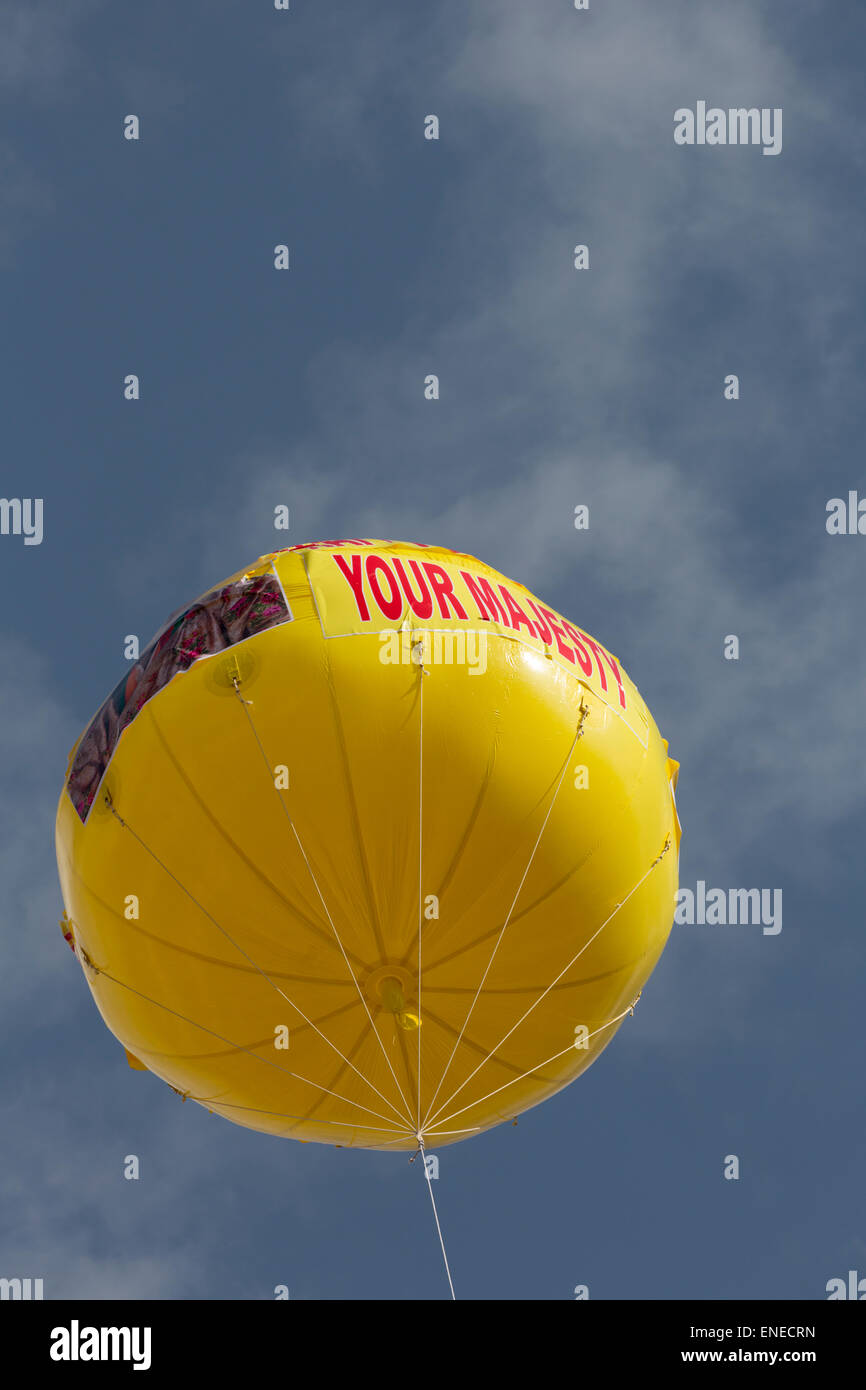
column 369, row 846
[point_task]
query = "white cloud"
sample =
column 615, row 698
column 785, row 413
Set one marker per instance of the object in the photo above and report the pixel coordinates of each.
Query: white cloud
column 539, row 368
column 40, row 48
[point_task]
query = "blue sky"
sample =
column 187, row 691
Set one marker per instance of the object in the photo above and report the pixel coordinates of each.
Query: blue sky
column 602, row 387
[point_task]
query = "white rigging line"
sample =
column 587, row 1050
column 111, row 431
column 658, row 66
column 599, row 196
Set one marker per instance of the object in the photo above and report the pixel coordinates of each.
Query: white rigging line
column 583, row 713
column 238, row 1047
column 421, row 675
column 562, row 972
column 244, row 705
column 446, row 1119
column 436, row 1218
column 228, row 936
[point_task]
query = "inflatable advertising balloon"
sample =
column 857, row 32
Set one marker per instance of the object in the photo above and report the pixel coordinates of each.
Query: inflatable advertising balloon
column 369, row 847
